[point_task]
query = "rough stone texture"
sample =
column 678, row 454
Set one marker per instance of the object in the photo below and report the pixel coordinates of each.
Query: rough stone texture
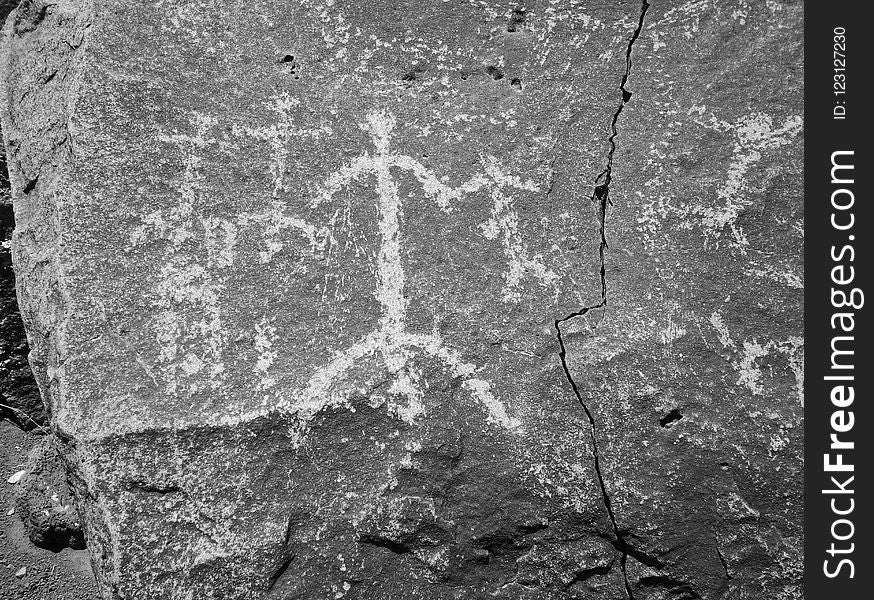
column 693, row 370
column 44, row 501
column 434, row 299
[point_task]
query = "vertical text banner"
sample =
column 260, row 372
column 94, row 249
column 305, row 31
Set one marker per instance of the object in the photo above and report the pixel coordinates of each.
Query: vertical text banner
column 838, row 233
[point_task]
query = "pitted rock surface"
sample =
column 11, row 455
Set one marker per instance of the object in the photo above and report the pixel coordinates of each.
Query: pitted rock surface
column 694, row 369
column 44, row 501
column 343, row 299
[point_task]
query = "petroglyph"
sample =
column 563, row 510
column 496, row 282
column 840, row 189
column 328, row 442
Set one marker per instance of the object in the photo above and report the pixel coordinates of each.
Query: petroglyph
column 190, row 350
column 755, row 133
column 392, row 341
column 187, row 348
column 292, row 273
column 275, row 219
column 265, row 336
column 504, row 222
column 716, row 213
column 747, row 355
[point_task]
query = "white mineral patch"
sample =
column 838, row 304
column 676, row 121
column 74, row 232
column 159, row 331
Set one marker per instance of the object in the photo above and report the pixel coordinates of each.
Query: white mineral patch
column 721, row 330
column 749, row 373
column 735, row 505
column 265, row 336
column 793, row 348
column 772, row 272
column 671, row 332
column 685, row 18
column 747, row 364
column 754, row 133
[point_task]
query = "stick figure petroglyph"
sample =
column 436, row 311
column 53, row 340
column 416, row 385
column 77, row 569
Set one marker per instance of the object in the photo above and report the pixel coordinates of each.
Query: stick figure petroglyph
column 190, row 355
column 504, row 223
column 392, row 341
column 191, row 348
column 754, row 134
column 391, row 345
column 275, row 219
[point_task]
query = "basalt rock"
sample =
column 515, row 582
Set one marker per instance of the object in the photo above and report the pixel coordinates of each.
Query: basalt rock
column 45, row 503
column 694, row 368
column 368, row 300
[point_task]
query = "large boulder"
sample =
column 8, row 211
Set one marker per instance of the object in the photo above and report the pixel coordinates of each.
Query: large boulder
column 348, row 299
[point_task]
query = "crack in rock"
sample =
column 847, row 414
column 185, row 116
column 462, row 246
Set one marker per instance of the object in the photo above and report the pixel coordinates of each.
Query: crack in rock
column 601, row 195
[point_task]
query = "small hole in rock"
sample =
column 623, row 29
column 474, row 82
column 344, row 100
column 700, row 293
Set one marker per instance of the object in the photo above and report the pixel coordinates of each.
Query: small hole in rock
column 495, row 72
column 414, row 73
column 601, row 191
column 670, row 418
column 30, row 185
column 292, row 64
column 517, row 18
column 516, row 83
column 626, row 95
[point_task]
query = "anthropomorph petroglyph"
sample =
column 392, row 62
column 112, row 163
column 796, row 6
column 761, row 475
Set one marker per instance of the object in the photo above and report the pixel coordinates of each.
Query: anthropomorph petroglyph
column 392, row 344
column 504, row 223
column 755, row 133
column 190, row 355
column 716, row 213
column 275, row 219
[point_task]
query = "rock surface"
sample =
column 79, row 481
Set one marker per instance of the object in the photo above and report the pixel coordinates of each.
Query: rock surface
column 44, row 501
column 694, row 370
column 435, row 300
